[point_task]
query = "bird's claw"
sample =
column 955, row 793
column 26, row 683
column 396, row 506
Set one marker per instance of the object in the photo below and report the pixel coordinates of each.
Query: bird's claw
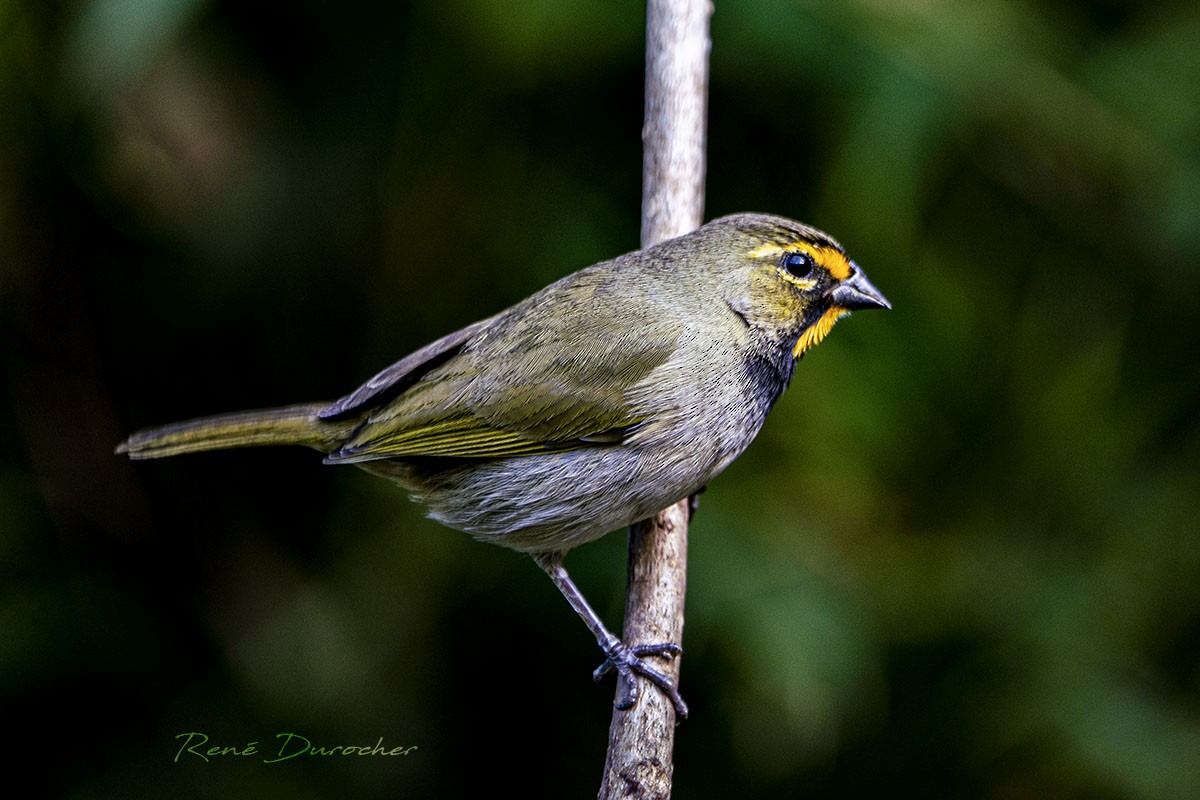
column 627, row 661
column 668, row 649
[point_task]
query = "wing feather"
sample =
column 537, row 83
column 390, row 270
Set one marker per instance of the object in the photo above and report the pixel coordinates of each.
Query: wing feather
column 513, row 387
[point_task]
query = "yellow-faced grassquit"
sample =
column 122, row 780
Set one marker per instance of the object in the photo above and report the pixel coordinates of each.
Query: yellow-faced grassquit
column 589, row 405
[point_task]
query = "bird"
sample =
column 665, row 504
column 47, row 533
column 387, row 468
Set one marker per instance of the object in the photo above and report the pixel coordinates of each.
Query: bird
column 604, row 397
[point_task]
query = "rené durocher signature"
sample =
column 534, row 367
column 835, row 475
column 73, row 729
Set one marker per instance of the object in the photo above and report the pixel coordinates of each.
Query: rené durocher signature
column 291, row 746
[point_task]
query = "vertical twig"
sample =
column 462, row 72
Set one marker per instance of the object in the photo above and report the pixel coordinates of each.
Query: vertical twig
column 677, row 46
column 642, row 739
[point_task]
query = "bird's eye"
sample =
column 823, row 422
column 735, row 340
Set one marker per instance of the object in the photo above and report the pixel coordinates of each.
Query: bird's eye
column 798, row 265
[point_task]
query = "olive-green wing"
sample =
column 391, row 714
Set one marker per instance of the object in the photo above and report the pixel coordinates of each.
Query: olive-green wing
column 404, row 373
column 524, row 385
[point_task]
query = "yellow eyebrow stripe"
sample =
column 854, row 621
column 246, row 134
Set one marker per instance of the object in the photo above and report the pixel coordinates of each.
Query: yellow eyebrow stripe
column 832, row 259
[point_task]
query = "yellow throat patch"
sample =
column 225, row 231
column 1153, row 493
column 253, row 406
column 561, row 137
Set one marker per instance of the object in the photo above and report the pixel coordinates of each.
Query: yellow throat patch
column 814, row 333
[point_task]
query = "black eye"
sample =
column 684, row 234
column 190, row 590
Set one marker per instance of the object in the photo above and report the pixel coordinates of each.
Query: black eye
column 798, row 265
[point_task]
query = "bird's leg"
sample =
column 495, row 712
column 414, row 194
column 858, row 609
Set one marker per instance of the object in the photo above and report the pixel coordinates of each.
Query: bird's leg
column 694, row 502
column 624, row 659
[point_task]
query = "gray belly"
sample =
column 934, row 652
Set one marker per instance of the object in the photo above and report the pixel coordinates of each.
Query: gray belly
column 556, row 501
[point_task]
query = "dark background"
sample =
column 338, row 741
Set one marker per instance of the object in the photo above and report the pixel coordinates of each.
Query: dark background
column 960, row 561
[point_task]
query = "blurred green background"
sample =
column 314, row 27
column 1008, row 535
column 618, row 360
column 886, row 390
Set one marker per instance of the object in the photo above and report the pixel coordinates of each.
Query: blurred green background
column 961, row 561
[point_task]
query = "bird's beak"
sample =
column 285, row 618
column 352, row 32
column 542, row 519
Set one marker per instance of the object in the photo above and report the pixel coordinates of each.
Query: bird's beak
column 856, row 292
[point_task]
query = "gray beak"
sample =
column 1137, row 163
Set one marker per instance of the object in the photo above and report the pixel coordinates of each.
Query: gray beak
column 856, row 292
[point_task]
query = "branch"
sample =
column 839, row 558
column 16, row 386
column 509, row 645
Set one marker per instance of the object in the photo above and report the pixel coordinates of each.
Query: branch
column 677, row 45
column 642, row 739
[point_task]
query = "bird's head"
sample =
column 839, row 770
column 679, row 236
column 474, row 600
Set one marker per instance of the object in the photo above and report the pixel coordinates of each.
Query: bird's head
column 788, row 281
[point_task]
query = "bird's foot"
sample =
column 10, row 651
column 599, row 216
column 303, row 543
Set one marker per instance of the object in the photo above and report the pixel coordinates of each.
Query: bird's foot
column 627, row 661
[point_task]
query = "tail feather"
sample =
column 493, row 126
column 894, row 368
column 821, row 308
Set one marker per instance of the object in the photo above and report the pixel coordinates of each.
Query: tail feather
column 289, row 425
